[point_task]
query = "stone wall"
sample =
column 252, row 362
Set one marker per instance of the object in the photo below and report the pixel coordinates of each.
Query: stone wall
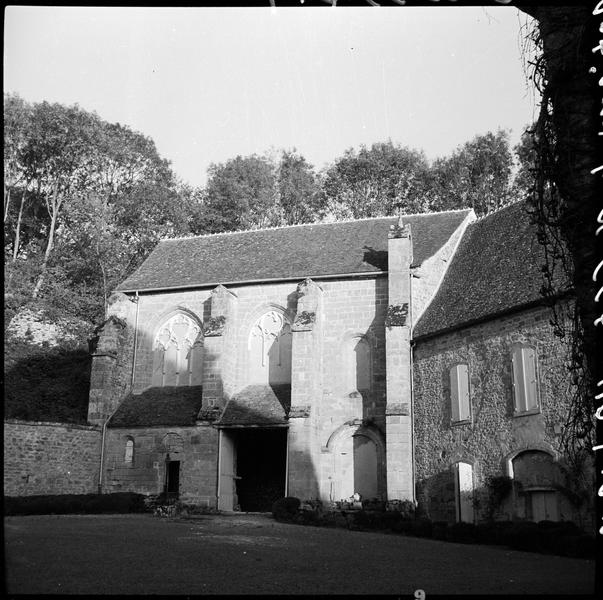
column 195, row 447
column 352, row 310
column 494, row 434
column 50, row 458
column 34, row 328
column 111, row 371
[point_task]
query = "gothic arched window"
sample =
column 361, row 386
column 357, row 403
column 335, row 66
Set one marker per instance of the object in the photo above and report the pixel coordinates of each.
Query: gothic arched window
column 270, row 349
column 178, row 353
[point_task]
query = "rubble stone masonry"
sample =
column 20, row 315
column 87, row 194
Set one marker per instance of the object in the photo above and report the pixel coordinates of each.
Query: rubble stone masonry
column 494, row 433
column 50, row 458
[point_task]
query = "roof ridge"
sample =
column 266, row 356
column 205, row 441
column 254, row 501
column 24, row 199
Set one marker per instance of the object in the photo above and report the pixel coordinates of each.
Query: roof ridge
column 499, row 209
column 205, row 235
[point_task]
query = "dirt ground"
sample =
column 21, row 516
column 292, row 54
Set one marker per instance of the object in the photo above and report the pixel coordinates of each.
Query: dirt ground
column 253, row 554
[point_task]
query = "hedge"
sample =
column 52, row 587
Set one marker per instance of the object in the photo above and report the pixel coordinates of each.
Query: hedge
column 547, row 537
column 64, row 504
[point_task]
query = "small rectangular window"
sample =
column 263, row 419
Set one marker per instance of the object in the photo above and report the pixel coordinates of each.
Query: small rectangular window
column 459, row 393
column 525, row 384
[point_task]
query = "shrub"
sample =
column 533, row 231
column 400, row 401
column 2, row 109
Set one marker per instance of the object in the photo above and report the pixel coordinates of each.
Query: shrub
column 524, row 535
column 374, row 504
column 405, row 507
column 121, row 502
column 309, row 517
column 499, row 488
column 421, row 528
column 439, row 530
column 46, row 384
column 285, row 509
column 578, row 546
column 492, row 532
column 465, row 533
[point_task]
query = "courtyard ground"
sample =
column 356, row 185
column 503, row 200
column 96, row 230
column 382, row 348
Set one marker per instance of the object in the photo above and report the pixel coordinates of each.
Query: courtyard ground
column 253, row 554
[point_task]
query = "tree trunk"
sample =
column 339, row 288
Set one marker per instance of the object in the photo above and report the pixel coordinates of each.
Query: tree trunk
column 53, row 209
column 6, row 202
column 17, row 239
column 569, row 33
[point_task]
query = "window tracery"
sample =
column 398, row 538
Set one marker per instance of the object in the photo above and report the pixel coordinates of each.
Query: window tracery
column 178, row 353
column 270, row 349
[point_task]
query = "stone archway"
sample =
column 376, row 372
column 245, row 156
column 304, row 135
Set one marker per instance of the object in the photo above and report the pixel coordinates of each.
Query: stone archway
column 358, row 462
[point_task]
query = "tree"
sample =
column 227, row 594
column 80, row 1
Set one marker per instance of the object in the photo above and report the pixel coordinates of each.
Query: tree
column 376, row 181
column 56, row 155
column 240, row 194
column 299, row 192
column 16, row 120
column 17, row 185
column 477, row 175
column 98, row 198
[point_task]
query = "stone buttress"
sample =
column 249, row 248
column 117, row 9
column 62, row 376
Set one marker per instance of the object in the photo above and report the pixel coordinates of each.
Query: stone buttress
column 218, row 371
column 303, row 443
column 398, row 412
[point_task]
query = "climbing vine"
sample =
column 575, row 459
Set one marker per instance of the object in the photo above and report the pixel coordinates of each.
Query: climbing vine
column 549, row 213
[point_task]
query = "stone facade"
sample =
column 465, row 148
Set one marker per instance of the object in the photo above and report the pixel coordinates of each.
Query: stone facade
column 50, row 458
column 495, row 434
column 325, row 410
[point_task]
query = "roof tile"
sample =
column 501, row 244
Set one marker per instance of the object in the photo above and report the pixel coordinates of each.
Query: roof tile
column 287, row 252
column 169, row 406
column 497, row 267
column 258, row 405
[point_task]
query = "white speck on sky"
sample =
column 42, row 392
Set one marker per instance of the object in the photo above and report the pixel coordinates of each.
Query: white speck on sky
column 207, row 84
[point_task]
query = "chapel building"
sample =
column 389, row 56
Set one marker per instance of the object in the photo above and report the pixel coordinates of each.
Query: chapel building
column 400, row 358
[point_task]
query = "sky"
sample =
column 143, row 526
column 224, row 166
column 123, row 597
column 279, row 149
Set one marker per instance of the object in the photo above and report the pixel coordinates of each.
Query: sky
column 208, row 84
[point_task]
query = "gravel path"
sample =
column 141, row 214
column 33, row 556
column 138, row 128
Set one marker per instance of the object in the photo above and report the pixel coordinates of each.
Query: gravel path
column 253, row 554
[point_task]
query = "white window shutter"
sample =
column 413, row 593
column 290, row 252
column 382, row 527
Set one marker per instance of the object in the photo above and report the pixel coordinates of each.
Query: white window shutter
column 454, row 394
column 529, row 362
column 463, row 386
column 518, row 379
column 464, row 492
column 459, row 393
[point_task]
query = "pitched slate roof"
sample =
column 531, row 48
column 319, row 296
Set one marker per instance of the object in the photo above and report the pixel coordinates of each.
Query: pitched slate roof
column 258, row 405
column 496, row 268
column 159, row 406
column 293, row 252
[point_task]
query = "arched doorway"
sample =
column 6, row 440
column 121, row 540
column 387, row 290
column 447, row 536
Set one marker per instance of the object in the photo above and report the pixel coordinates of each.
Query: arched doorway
column 357, row 462
column 537, row 477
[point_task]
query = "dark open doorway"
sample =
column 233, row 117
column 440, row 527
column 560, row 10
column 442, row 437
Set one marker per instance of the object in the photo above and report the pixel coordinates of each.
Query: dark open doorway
column 261, row 465
column 172, row 478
